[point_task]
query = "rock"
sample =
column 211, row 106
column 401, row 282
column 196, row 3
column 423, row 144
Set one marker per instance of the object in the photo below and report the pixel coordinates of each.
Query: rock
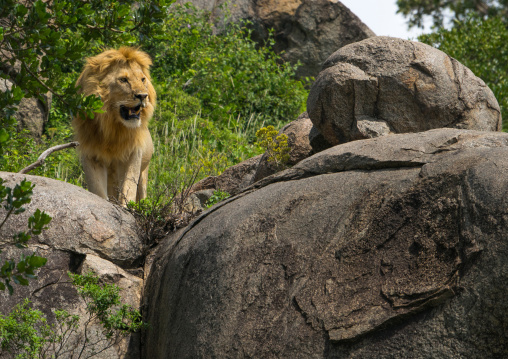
column 53, row 291
column 196, row 201
column 305, row 31
column 385, row 85
column 83, row 223
column 32, row 113
column 392, row 247
column 130, row 285
column 232, row 180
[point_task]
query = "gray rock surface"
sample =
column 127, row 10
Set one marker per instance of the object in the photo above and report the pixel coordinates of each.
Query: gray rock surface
column 307, row 31
column 393, row 247
column 385, row 85
column 82, row 223
column 32, row 113
column 86, row 234
column 53, row 291
column 233, row 180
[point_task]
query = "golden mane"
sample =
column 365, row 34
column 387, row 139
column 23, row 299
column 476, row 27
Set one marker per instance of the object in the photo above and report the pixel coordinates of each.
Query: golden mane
column 102, row 137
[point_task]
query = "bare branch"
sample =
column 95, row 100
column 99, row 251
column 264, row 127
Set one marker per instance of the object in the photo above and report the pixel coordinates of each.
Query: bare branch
column 45, row 154
column 104, row 28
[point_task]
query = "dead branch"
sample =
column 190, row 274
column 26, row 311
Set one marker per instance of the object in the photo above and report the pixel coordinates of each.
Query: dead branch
column 45, row 154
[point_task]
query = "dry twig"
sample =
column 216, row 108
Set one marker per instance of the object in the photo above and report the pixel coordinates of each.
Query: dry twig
column 45, row 154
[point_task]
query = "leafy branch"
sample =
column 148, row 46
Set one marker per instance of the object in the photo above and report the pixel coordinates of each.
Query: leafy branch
column 12, row 200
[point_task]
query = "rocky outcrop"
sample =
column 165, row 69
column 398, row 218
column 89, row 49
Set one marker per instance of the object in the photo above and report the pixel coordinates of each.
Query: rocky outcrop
column 306, row 31
column 392, row 247
column 83, row 223
column 385, row 85
column 86, row 234
column 233, row 180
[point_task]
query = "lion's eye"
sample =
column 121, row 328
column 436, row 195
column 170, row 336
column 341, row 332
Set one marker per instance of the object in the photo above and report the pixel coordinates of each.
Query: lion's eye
column 124, row 79
column 143, row 79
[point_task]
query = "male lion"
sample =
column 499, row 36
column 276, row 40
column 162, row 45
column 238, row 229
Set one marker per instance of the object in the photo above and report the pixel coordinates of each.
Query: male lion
column 116, row 146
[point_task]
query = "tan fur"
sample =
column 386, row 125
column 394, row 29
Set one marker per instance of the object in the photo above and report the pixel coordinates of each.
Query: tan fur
column 115, row 151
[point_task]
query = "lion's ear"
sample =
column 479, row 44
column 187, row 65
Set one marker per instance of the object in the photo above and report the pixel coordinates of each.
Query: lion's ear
column 87, row 82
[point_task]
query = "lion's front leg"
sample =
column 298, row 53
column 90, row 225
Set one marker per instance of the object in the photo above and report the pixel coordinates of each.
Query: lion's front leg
column 96, row 175
column 128, row 177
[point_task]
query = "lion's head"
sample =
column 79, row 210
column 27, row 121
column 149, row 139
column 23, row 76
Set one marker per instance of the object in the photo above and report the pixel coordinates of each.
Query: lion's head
column 121, row 78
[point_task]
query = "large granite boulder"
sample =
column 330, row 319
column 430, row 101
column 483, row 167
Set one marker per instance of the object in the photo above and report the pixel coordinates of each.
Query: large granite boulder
column 385, row 85
column 83, row 223
column 306, row 31
column 392, row 247
column 87, row 233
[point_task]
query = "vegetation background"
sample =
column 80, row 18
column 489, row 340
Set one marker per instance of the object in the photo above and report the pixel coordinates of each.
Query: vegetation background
column 216, row 88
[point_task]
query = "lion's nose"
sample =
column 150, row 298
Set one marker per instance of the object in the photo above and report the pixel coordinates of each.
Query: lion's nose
column 141, row 96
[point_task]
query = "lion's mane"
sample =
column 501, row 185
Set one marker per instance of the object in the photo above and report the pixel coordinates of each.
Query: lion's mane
column 103, row 137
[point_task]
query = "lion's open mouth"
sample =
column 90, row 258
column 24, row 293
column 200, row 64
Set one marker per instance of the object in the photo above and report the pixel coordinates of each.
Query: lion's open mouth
column 130, row 113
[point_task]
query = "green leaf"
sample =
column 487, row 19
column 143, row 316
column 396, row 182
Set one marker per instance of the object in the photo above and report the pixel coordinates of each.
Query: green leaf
column 9, row 287
column 18, row 279
column 17, row 93
column 21, row 267
column 37, row 262
column 4, row 135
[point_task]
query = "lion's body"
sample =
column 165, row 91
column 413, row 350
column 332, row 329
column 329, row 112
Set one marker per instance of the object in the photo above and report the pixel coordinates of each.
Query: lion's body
column 116, row 146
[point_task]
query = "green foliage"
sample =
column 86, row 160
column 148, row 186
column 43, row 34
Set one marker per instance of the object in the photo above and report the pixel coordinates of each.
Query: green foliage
column 217, row 196
column 43, row 47
column 482, row 46
column 418, row 10
column 215, row 88
column 276, row 146
column 42, row 42
column 24, row 332
column 27, row 333
column 12, row 200
column 104, row 304
column 230, row 75
column 185, row 141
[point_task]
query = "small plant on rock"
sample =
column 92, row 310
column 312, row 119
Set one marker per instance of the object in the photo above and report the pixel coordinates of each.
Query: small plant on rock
column 27, row 333
column 276, row 146
column 217, row 196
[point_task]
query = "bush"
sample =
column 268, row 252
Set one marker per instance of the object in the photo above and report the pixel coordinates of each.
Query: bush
column 276, row 146
column 232, row 76
column 28, row 333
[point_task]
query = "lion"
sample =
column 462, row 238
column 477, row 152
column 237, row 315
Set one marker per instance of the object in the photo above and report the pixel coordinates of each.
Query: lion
column 116, row 146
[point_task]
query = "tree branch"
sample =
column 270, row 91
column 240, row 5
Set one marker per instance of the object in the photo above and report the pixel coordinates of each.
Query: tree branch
column 45, row 154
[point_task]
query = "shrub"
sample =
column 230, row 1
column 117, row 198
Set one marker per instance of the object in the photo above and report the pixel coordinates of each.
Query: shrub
column 28, row 333
column 276, row 146
column 12, row 200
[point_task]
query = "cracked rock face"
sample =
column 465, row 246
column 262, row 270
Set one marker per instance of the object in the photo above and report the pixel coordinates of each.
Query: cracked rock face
column 385, row 85
column 393, row 247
